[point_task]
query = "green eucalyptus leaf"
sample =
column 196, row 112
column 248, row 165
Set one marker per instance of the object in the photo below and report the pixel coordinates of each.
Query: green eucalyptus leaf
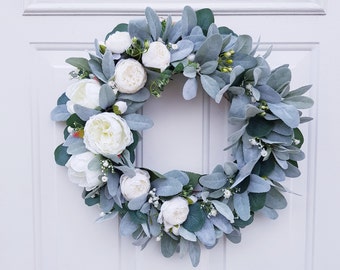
column 214, row 180
column 97, row 70
column 60, row 113
column 205, row 18
column 259, row 127
column 206, row 234
column 195, row 219
column 122, row 27
column 257, row 201
column 61, row 156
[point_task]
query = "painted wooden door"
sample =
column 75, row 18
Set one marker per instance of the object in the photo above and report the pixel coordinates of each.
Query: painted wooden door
column 44, row 223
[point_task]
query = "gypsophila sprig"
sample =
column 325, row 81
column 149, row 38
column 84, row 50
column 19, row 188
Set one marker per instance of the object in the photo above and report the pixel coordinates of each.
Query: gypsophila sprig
column 101, row 110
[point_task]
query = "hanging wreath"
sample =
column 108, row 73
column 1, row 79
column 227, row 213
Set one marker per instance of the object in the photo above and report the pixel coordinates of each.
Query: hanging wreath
column 183, row 210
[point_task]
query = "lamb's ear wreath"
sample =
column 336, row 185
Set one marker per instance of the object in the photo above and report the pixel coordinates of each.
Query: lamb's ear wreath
column 183, row 210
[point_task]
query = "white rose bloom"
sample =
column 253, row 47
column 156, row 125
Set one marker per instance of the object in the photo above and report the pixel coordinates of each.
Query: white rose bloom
column 84, row 92
column 79, row 173
column 135, row 186
column 157, row 56
column 129, row 76
column 173, row 212
column 107, row 134
column 118, row 42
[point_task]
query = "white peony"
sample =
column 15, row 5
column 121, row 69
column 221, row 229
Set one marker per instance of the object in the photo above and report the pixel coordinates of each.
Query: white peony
column 129, row 76
column 107, row 134
column 84, row 92
column 157, row 56
column 134, row 187
column 173, row 212
column 118, row 42
column 79, row 173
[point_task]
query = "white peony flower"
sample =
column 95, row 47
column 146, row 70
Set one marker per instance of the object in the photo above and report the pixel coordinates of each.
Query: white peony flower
column 107, row 134
column 133, row 187
column 129, row 76
column 79, row 173
column 157, row 56
column 173, row 212
column 121, row 106
column 84, row 92
column 118, row 42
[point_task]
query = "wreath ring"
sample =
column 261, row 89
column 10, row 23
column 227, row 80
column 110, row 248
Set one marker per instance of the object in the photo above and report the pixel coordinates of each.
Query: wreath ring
column 183, row 210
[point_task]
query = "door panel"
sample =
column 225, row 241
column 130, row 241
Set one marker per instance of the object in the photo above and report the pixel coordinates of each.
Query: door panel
column 45, row 221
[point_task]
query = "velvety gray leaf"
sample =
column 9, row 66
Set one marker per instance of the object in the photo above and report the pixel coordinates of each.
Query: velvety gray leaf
column 222, row 223
column 154, row 23
column 282, row 128
column 175, row 32
column 184, row 48
column 299, row 102
column 189, row 20
column 83, row 112
column 138, row 122
column 168, row 245
column 137, row 203
column 94, row 164
column 298, row 92
column 168, row 26
column 194, row 253
column 107, row 96
column 154, row 226
column 77, row 148
column 287, row 113
column 139, row 28
column 209, row 50
column 277, row 174
column 108, row 65
column 214, row 180
column 234, row 236
column 105, row 204
column 190, row 71
column 140, row 96
column 279, row 77
column 257, row 184
column 242, row 205
column 127, row 227
column 179, row 175
column 275, row 138
column 269, row 212
column 113, row 183
column 244, row 44
column 130, row 172
column 186, row 234
column 96, row 68
column 269, row 94
column 224, row 210
column 230, row 168
column 209, row 67
column 275, row 200
column 190, row 89
column 210, row 85
column 207, row 234
column 244, row 172
column 60, row 113
column 244, row 60
column 292, row 171
column 167, row 187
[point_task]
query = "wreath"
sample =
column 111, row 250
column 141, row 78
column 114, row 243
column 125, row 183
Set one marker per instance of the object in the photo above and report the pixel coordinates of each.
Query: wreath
column 183, row 210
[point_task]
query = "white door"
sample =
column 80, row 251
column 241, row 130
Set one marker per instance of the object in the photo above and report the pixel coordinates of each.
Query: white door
column 45, row 224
